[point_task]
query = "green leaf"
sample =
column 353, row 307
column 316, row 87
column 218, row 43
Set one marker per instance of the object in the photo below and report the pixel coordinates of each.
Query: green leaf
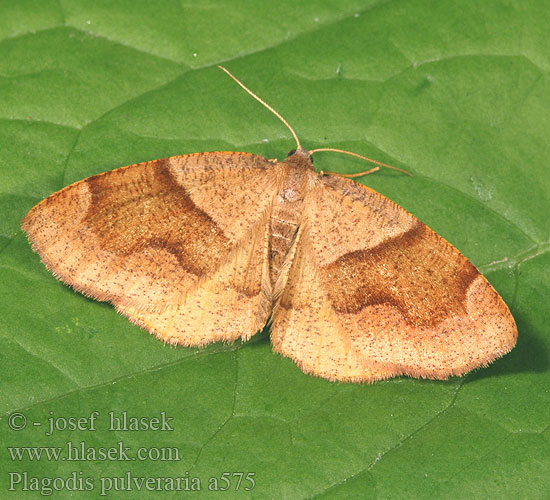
column 456, row 92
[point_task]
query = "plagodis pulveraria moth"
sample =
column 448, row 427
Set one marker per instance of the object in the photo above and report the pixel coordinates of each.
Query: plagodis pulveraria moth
column 211, row 246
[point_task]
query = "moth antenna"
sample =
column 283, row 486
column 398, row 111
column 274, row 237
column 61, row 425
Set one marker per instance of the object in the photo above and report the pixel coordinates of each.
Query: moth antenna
column 358, row 156
column 298, row 146
column 350, row 176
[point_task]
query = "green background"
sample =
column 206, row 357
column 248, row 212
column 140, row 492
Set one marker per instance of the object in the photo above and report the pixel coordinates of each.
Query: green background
column 456, row 92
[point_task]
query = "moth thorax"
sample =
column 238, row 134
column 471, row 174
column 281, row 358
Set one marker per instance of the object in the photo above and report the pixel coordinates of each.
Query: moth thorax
column 294, row 186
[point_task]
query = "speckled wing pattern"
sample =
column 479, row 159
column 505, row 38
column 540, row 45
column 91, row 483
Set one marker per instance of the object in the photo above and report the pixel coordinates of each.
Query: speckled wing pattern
column 172, row 243
column 208, row 247
column 374, row 293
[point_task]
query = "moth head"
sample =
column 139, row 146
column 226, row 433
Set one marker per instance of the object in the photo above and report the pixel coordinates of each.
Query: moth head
column 301, row 158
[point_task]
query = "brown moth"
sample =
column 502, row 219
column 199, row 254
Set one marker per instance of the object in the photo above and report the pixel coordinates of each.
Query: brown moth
column 208, row 247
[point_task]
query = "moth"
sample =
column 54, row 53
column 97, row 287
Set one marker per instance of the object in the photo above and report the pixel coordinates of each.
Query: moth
column 210, row 247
